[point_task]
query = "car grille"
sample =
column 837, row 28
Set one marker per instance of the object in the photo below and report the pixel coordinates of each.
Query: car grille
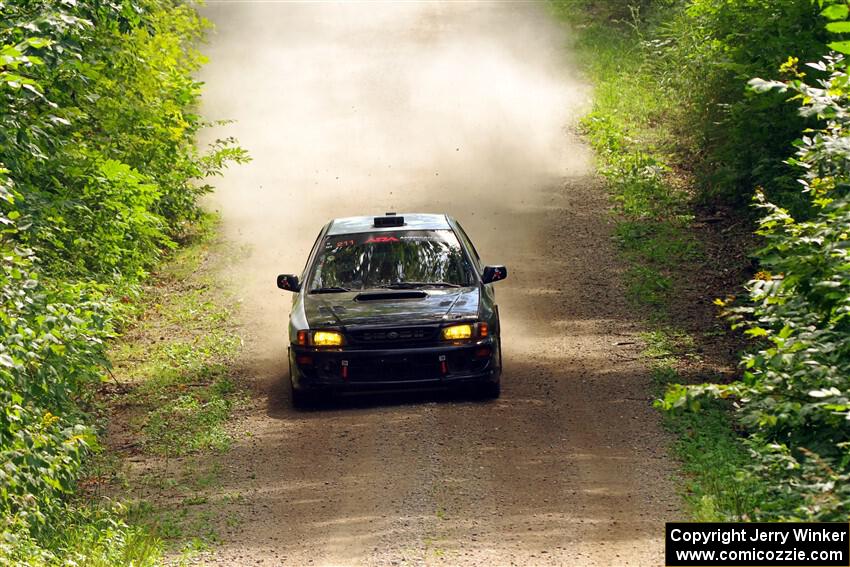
column 393, row 337
column 417, row 367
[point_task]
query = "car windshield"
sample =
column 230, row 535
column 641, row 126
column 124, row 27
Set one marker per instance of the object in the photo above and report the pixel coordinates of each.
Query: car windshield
column 403, row 259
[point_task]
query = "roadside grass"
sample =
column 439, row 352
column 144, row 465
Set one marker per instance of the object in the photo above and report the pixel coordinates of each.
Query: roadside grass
column 705, row 441
column 628, row 128
column 167, row 404
column 92, row 535
column 176, row 359
column 633, row 132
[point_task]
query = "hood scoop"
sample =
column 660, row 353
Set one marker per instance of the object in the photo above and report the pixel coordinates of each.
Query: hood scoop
column 390, row 295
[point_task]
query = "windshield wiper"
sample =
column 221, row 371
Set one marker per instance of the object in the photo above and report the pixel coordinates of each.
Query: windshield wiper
column 414, row 285
column 332, row 289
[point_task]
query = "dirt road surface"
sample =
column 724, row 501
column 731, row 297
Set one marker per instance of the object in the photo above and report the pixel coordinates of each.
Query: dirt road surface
column 467, row 108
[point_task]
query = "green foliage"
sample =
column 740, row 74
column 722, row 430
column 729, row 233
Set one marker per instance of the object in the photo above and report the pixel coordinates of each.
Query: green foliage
column 672, row 106
column 709, row 51
column 717, row 487
column 694, row 59
column 709, row 449
column 795, row 396
column 97, row 129
column 50, row 351
column 625, row 131
column 837, row 12
column 99, row 173
column 175, row 363
column 90, row 537
column 188, row 424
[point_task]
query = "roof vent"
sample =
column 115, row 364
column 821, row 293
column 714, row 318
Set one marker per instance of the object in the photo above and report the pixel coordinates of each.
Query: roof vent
column 391, row 219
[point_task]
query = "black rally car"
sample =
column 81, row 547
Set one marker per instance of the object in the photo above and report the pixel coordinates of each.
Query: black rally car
column 392, row 302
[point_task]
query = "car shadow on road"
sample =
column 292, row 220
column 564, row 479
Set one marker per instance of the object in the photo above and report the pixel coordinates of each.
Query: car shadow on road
column 280, row 406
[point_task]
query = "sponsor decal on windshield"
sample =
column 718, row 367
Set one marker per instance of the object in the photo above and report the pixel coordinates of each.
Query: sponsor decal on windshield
column 377, row 239
column 346, row 241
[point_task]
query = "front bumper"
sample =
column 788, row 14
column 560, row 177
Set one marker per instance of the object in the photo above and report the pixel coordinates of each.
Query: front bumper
column 398, row 368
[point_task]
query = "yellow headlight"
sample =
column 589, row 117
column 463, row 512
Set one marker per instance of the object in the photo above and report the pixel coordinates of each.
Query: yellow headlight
column 327, row 338
column 457, row 332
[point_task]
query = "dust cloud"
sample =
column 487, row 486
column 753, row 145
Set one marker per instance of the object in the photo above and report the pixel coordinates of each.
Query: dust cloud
column 361, row 108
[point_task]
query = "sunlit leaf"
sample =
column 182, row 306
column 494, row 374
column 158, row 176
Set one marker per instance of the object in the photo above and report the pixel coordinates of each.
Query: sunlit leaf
column 838, row 27
column 835, row 12
column 840, row 46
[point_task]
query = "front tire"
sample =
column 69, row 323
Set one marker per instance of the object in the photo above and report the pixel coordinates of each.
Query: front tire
column 490, row 390
column 302, row 400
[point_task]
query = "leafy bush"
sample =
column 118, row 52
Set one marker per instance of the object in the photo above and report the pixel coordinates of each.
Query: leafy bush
column 672, row 104
column 708, row 51
column 97, row 129
column 696, row 57
column 795, row 396
column 50, row 352
column 99, row 173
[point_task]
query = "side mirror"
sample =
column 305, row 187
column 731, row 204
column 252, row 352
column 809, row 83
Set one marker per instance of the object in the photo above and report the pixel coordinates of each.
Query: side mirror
column 288, row 282
column 494, row 273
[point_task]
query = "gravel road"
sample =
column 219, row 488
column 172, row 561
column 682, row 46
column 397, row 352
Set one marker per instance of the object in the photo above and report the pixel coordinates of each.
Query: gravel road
column 467, row 108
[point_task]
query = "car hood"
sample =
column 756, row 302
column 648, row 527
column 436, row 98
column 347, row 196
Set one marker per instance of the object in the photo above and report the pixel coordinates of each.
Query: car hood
column 391, row 307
